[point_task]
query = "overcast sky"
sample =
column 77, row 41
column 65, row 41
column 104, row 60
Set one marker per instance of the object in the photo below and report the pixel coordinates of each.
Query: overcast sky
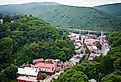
column 88, row 3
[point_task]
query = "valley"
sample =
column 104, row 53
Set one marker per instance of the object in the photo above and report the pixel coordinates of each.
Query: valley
column 86, row 18
column 52, row 42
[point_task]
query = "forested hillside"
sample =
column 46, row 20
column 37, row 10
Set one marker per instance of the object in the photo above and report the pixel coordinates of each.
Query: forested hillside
column 103, row 68
column 29, row 38
column 114, row 9
column 67, row 16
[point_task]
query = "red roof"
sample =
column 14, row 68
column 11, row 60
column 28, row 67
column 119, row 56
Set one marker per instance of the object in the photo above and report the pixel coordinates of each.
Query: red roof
column 91, row 36
column 38, row 60
column 49, row 65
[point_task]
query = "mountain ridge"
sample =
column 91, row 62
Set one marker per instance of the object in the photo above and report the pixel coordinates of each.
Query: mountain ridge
column 113, row 9
column 64, row 16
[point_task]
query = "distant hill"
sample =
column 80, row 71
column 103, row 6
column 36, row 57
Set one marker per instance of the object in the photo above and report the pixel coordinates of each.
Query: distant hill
column 66, row 16
column 114, row 9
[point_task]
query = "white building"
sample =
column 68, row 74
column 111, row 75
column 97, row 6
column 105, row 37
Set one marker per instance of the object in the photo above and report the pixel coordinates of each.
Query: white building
column 28, row 74
column 1, row 21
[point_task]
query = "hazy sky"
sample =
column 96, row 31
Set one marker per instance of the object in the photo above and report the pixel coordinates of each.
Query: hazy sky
column 88, row 3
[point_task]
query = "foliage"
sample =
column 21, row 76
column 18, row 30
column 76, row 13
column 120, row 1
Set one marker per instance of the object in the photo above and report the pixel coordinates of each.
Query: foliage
column 29, row 38
column 107, row 64
column 92, row 70
column 43, row 76
column 113, row 77
column 67, row 16
column 8, row 18
column 8, row 73
column 112, row 62
column 103, row 68
column 113, row 9
column 72, row 75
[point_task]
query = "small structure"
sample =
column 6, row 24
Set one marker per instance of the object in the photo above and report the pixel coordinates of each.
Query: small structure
column 68, row 64
column 91, row 36
column 91, row 57
column 77, row 51
column 75, row 59
column 92, row 80
column 90, row 42
column 37, row 60
column 1, row 21
column 74, row 36
column 25, row 65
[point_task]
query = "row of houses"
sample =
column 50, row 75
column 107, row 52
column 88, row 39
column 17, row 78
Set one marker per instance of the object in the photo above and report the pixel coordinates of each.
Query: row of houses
column 48, row 66
column 79, row 41
column 79, row 50
column 33, row 72
column 92, row 41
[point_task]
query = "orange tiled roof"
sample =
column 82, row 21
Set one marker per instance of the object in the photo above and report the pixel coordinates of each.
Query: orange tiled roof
column 49, row 65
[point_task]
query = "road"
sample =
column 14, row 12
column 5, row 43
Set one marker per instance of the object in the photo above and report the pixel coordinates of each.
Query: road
column 48, row 79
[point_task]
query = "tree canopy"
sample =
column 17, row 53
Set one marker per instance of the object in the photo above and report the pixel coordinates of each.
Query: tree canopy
column 103, row 68
column 72, row 75
column 29, row 38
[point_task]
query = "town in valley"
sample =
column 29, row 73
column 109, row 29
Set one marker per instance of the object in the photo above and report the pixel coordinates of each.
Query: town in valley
column 87, row 47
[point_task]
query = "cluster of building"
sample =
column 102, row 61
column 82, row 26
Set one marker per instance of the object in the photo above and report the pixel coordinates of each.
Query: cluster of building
column 79, row 49
column 93, row 41
column 33, row 72
column 104, row 43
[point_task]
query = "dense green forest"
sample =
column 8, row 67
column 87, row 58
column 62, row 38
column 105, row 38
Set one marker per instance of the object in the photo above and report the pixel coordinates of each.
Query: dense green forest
column 103, row 69
column 67, row 16
column 8, row 18
column 113, row 9
column 29, row 38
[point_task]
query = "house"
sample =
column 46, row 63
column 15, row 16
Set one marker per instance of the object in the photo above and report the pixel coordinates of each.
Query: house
column 93, row 48
column 46, row 67
column 1, row 21
column 91, row 36
column 49, row 66
column 77, row 51
column 74, row 36
column 58, row 63
column 103, row 39
column 90, row 42
column 37, row 60
column 68, row 64
column 91, row 57
column 26, row 65
column 75, row 59
column 82, row 38
column 28, row 74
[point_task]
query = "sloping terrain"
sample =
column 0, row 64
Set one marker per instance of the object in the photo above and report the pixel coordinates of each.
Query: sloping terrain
column 67, row 16
column 114, row 9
